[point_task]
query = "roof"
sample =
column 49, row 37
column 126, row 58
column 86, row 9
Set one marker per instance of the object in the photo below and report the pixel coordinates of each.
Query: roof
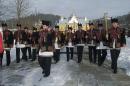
column 73, row 19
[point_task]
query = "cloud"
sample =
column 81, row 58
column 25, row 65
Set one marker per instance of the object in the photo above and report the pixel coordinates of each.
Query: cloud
column 89, row 8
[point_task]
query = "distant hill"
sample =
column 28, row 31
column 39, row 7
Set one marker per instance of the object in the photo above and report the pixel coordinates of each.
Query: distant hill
column 32, row 19
column 125, row 20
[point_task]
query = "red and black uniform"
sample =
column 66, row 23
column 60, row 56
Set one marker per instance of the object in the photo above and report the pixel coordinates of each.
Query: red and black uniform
column 35, row 37
column 57, row 40
column 1, row 49
column 115, row 34
column 69, row 38
column 8, row 41
column 62, row 38
column 79, row 37
column 47, row 38
column 28, row 43
column 42, row 37
column 101, row 37
column 57, row 35
column 18, row 36
column 92, row 48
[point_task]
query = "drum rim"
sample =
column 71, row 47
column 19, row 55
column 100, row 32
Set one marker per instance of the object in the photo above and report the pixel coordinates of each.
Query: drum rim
column 49, row 55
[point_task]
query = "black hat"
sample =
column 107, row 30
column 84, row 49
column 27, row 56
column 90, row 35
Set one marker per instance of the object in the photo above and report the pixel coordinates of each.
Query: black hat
column 91, row 24
column 47, row 23
column 6, row 24
column 56, row 26
column 18, row 25
column 100, row 24
column 80, row 25
column 69, row 28
column 114, row 20
column 3, row 24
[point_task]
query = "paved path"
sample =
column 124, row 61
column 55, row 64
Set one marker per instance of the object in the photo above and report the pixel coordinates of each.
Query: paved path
column 63, row 74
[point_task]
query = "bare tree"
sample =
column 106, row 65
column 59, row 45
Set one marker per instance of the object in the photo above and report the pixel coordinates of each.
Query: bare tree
column 20, row 8
column 2, row 9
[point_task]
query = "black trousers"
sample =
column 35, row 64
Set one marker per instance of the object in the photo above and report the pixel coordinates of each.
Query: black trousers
column 1, row 57
column 102, row 53
column 17, row 55
column 24, row 53
column 34, row 54
column 69, row 50
column 80, row 53
column 29, row 52
column 45, row 63
column 114, row 57
column 92, row 54
column 8, row 58
column 57, row 55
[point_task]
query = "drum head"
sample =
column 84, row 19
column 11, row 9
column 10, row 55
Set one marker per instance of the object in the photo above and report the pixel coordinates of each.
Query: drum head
column 29, row 45
column 20, row 46
column 70, row 46
column 46, row 54
column 101, row 48
column 90, row 45
column 7, row 48
column 80, row 44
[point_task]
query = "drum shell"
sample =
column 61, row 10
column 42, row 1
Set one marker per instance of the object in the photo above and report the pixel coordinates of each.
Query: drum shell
column 45, row 64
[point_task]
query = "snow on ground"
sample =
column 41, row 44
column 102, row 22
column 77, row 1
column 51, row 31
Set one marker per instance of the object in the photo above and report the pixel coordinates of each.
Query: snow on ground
column 124, row 58
column 123, row 61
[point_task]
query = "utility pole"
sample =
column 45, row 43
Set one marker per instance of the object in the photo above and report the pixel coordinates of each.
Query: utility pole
column 106, row 21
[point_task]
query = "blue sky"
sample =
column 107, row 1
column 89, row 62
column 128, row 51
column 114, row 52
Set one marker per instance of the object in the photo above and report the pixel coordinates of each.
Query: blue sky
column 89, row 8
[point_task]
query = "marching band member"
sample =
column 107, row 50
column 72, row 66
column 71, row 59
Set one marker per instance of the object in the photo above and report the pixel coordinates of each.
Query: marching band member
column 116, row 41
column 46, row 44
column 35, row 37
column 92, row 47
column 79, row 36
column 28, row 41
column 62, row 38
column 18, row 38
column 100, row 42
column 1, row 46
column 8, row 42
column 57, row 43
column 23, row 40
column 69, row 40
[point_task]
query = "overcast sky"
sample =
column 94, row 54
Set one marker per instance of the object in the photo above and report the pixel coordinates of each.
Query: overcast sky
column 88, row 8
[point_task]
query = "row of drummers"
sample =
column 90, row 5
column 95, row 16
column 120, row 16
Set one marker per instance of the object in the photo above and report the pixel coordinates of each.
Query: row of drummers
column 98, row 41
column 45, row 38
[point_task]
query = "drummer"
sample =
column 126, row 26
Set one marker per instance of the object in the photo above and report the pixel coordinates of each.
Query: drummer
column 35, row 37
column 18, row 40
column 79, row 36
column 100, row 42
column 116, row 41
column 28, row 41
column 57, row 44
column 8, row 40
column 1, row 47
column 69, row 40
column 46, row 44
column 92, row 46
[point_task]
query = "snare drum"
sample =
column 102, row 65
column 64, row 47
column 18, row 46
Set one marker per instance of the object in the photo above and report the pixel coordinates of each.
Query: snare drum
column 44, row 60
column 20, row 46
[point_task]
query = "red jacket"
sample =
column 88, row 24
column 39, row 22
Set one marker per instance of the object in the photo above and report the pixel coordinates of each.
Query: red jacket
column 1, row 44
